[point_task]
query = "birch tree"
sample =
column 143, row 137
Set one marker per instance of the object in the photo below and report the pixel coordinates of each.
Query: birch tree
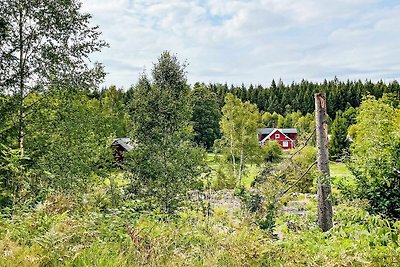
column 239, row 128
column 44, row 44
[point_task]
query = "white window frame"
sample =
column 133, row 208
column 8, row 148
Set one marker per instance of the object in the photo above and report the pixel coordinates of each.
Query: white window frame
column 277, row 135
column 285, row 144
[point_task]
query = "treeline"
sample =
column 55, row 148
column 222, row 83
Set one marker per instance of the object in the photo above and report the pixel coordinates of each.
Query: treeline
column 283, row 99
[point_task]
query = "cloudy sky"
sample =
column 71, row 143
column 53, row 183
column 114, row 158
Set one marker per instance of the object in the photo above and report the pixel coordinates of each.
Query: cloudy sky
column 251, row 41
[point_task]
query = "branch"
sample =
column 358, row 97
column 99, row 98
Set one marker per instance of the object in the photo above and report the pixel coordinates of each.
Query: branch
column 298, row 180
column 305, row 144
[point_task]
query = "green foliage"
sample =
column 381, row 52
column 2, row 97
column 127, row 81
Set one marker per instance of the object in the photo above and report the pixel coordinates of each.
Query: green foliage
column 15, row 182
column 113, row 108
column 357, row 239
column 48, row 238
column 164, row 164
column 44, row 75
column 283, row 99
column 70, row 141
column 205, row 117
column 272, row 151
column 45, row 44
column 239, row 125
column 68, row 145
column 339, row 143
column 62, row 232
column 290, row 171
column 221, row 175
column 375, row 155
column 261, row 204
column 222, row 180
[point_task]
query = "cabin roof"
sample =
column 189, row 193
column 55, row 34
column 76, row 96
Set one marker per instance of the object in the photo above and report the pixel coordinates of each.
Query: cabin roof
column 125, row 142
column 283, row 130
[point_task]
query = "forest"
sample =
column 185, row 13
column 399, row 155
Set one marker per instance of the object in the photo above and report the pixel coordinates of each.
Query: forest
column 196, row 189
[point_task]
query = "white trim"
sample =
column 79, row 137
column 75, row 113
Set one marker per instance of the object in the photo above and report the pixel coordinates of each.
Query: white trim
column 280, row 130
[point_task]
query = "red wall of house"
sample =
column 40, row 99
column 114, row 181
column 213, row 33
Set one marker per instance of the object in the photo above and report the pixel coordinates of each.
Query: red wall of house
column 262, row 136
column 281, row 138
column 292, row 136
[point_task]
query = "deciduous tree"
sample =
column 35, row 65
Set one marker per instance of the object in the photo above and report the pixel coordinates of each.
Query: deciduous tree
column 239, row 143
column 44, row 43
column 375, row 155
column 206, row 116
column 164, row 164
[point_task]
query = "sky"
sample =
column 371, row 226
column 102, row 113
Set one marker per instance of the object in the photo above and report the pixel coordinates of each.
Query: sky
column 253, row 41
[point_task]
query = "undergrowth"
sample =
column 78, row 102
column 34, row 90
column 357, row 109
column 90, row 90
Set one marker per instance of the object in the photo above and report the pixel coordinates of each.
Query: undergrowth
column 56, row 234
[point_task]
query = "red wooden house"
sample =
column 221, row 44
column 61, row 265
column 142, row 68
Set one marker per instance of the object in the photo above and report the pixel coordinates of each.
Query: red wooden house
column 285, row 137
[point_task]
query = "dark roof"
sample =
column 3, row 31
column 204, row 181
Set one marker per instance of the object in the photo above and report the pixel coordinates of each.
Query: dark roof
column 284, row 130
column 125, row 142
column 265, row 130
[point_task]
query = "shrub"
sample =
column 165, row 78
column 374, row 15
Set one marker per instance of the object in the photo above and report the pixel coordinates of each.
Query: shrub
column 272, row 151
column 290, row 171
column 222, row 180
column 375, row 154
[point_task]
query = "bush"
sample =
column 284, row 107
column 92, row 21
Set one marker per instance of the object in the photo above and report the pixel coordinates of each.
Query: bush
column 223, row 181
column 375, row 154
column 261, row 203
column 290, row 171
column 357, row 239
column 272, row 151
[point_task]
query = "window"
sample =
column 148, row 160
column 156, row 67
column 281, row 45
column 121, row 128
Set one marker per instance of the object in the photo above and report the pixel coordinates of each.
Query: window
column 285, row 144
column 277, row 136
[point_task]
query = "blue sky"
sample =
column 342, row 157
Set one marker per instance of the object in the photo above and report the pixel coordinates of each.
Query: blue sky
column 254, row 41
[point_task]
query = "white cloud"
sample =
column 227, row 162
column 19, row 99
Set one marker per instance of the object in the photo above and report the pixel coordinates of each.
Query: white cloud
column 251, row 41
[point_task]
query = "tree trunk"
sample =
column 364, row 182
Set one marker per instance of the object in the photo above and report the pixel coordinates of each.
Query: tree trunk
column 324, row 184
column 21, row 115
column 241, row 167
column 233, row 155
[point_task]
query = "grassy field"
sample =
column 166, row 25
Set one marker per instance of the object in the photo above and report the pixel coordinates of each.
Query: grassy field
column 339, row 169
column 341, row 175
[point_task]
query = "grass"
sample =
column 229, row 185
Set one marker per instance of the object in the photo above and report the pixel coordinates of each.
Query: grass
column 46, row 237
column 339, row 169
column 341, row 174
column 64, row 231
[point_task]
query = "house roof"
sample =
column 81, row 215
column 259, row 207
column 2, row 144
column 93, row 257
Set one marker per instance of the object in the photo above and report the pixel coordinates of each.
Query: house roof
column 283, row 130
column 274, row 131
column 125, row 142
column 265, row 130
